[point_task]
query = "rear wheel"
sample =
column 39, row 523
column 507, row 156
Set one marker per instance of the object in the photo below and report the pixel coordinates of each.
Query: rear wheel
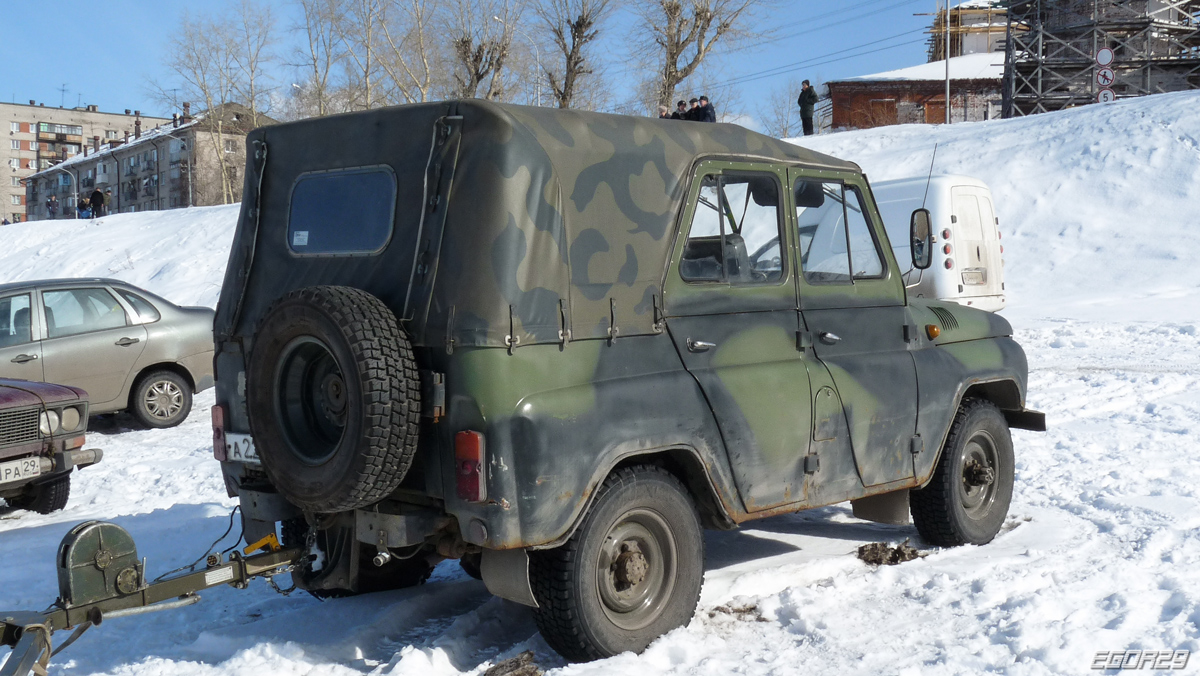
column 967, row 500
column 630, row 573
column 161, row 399
column 45, row 497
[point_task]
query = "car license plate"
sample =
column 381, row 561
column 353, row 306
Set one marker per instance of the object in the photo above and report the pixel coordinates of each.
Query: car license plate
column 974, row 277
column 19, row 470
column 240, row 448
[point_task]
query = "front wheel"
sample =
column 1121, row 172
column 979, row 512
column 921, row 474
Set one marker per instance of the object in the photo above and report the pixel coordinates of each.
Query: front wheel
column 161, row 399
column 967, row 500
column 630, row 573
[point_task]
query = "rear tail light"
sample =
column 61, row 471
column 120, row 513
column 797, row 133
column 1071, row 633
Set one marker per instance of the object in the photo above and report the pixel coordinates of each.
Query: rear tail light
column 469, row 456
column 218, row 425
column 946, row 249
column 946, row 233
column 949, row 263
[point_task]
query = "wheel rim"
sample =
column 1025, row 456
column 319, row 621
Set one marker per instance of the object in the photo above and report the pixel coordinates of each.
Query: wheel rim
column 163, row 400
column 635, row 572
column 980, row 475
column 311, row 396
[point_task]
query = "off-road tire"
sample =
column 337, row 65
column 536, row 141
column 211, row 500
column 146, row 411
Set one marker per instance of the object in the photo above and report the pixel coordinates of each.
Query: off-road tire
column 941, row 510
column 45, row 497
column 161, row 399
column 567, row 583
column 375, row 385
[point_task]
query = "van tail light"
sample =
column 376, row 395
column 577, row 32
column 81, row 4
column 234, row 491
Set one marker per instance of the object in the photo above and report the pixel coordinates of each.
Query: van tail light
column 218, row 425
column 946, row 233
column 946, row 249
column 469, row 457
column 949, row 263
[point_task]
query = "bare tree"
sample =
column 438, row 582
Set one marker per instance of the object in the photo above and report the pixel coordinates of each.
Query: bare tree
column 573, row 25
column 361, row 30
column 411, row 58
column 781, row 117
column 683, row 33
column 253, row 33
column 480, row 38
column 320, row 54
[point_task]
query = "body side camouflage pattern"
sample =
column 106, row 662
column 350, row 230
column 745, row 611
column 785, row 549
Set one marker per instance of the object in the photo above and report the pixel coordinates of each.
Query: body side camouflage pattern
column 535, row 261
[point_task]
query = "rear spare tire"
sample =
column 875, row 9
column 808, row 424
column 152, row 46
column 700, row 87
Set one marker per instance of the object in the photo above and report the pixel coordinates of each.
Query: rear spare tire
column 334, row 398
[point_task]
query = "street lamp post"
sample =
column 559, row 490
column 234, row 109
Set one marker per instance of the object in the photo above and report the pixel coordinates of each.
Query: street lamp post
column 75, row 183
column 537, row 57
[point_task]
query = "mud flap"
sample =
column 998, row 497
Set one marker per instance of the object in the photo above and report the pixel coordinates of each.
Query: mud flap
column 883, row 508
column 506, row 574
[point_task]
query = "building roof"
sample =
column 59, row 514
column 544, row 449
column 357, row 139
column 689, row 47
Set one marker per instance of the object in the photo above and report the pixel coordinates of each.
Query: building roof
column 152, row 134
column 986, row 66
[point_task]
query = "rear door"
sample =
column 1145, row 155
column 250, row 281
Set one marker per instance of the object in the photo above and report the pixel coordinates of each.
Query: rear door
column 20, row 349
column 731, row 311
column 974, row 241
column 90, row 342
column 853, row 306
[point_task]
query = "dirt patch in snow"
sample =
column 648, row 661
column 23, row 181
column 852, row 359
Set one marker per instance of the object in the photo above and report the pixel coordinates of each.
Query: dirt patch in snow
column 883, row 554
column 521, row 665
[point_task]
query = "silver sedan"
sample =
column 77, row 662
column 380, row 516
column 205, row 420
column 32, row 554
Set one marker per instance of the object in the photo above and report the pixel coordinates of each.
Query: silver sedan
column 129, row 349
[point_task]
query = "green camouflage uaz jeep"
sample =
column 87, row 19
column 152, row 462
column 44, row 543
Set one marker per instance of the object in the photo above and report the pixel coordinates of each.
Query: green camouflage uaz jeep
column 557, row 344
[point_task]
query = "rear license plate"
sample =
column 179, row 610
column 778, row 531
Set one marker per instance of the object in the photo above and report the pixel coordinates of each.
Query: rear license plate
column 240, row 448
column 19, row 470
column 974, row 277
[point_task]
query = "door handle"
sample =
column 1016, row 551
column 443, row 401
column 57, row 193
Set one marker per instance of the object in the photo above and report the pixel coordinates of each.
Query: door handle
column 22, row 358
column 126, row 342
column 694, row 345
column 829, row 338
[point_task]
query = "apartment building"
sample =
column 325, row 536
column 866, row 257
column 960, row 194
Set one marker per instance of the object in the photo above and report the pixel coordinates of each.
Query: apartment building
column 184, row 162
column 40, row 136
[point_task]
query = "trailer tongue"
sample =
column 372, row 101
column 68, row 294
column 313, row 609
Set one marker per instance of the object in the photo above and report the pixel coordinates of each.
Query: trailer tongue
column 101, row 577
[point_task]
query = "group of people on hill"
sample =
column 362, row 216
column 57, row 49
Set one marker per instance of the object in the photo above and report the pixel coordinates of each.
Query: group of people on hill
column 94, row 205
column 696, row 110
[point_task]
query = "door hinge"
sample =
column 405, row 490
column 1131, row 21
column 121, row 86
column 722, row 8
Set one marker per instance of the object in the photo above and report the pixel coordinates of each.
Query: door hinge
column 512, row 339
column 918, row 445
column 612, row 321
column 910, row 333
column 433, row 395
column 812, row 463
column 804, row 340
column 564, row 330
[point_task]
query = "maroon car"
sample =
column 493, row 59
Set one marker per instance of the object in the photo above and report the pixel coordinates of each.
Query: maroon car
column 41, row 441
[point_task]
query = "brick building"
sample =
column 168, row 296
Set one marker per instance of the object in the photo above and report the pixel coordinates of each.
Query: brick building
column 185, row 162
column 40, row 135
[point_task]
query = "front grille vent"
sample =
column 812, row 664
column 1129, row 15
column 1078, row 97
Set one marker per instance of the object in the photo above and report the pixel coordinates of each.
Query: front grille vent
column 18, row 427
column 945, row 318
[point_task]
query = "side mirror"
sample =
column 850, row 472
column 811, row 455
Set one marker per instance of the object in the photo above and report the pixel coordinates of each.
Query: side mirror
column 920, row 234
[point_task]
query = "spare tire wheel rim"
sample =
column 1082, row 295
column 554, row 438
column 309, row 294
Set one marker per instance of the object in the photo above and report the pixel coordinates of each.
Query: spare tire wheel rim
column 635, row 572
column 163, row 399
column 980, row 471
column 311, row 399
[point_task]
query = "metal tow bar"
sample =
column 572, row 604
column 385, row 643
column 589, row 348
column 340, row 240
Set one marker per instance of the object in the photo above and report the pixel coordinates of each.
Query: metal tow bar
column 100, row 576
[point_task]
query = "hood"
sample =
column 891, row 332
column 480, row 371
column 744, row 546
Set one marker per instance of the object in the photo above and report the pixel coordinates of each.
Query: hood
column 20, row 393
column 958, row 323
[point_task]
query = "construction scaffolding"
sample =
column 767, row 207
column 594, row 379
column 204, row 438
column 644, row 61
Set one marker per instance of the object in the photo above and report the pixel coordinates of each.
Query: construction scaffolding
column 976, row 26
column 1066, row 53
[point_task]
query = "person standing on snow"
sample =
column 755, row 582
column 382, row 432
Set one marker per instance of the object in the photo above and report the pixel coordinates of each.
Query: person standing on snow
column 52, row 206
column 808, row 102
column 97, row 201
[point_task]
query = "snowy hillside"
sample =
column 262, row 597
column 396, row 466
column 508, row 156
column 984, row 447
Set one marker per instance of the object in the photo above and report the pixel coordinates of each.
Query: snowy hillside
column 1101, row 551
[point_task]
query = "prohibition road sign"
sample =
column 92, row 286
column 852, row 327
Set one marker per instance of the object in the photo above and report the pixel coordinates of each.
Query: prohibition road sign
column 1105, row 56
column 1106, row 95
column 1105, row 77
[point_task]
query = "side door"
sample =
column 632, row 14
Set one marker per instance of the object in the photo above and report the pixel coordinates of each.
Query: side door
column 20, row 349
column 853, row 307
column 89, row 342
column 730, row 308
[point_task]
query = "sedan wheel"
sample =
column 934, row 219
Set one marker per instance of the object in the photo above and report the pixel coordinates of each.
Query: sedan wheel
column 161, row 399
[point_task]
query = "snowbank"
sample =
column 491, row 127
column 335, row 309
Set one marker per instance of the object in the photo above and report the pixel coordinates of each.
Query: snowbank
column 179, row 254
column 1099, row 206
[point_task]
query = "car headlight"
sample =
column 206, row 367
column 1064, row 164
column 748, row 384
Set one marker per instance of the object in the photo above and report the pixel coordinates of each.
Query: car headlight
column 71, row 417
column 48, row 422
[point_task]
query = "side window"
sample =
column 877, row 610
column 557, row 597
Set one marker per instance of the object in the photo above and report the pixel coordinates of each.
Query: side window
column 14, row 320
column 836, row 244
column 734, row 235
column 144, row 309
column 74, row 311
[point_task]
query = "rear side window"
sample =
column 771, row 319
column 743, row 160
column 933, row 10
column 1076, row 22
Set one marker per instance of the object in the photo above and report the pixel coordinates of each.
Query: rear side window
column 145, row 310
column 342, row 212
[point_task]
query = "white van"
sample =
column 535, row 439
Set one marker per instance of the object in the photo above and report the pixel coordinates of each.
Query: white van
column 967, row 265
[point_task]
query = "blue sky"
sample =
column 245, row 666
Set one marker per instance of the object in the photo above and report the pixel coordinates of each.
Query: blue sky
column 105, row 53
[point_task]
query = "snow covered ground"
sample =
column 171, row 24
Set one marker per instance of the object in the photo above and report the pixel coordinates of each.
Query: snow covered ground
column 1101, row 551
